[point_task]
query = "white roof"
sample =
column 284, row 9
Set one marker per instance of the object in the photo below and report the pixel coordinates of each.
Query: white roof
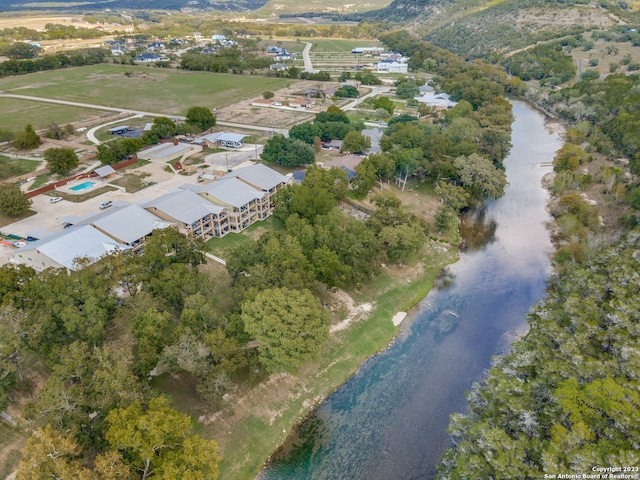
column 173, row 151
column 79, row 242
column 155, row 149
column 259, row 176
column 230, row 137
column 184, row 205
column 230, row 191
column 105, row 171
column 127, row 223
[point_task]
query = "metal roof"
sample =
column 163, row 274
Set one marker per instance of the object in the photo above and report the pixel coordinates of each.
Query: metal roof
column 78, row 242
column 231, row 137
column 230, row 192
column 259, row 175
column 105, row 171
column 184, row 205
column 127, row 223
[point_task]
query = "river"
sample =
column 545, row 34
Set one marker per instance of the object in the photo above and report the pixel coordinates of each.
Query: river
column 389, row 421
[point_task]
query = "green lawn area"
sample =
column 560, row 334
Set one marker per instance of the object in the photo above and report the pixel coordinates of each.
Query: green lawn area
column 17, row 113
column 142, row 88
column 222, row 247
column 12, row 167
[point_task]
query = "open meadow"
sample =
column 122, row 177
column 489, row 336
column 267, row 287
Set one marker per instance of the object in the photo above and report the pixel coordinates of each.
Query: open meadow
column 16, row 113
column 140, row 88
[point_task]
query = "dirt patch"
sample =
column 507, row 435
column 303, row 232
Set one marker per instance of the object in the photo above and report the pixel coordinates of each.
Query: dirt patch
column 244, row 112
column 354, row 312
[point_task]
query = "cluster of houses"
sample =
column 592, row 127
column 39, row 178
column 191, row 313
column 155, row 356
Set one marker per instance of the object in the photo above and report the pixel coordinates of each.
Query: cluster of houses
column 230, row 203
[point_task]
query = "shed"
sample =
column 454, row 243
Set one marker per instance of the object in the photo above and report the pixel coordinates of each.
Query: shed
column 104, row 172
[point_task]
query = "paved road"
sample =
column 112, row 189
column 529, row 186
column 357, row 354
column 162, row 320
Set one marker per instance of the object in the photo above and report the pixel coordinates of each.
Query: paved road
column 308, row 66
column 375, row 91
column 136, row 112
column 91, row 134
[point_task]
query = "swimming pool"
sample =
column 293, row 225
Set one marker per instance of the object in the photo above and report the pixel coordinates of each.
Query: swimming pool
column 82, row 186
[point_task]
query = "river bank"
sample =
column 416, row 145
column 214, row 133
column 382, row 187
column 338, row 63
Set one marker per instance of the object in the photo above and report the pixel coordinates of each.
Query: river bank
column 262, row 419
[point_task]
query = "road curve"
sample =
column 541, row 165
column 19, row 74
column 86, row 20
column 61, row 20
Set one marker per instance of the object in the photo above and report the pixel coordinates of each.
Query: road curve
column 136, row 112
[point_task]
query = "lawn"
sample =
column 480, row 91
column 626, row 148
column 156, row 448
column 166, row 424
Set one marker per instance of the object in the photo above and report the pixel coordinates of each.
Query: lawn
column 222, row 247
column 17, row 113
column 151, row 89
column 12, row 167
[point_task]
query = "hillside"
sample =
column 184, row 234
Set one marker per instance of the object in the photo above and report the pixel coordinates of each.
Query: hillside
column 477, row 28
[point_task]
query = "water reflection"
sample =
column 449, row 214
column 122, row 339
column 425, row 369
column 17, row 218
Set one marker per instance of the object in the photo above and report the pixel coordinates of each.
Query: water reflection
column 476, row 230
column 389, row 421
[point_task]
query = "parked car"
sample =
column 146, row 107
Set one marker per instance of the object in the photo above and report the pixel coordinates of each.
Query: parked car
column 55, row 199
column 104, row 205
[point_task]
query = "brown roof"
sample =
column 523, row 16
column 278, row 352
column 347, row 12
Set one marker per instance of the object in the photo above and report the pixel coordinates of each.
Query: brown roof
column 348, row 161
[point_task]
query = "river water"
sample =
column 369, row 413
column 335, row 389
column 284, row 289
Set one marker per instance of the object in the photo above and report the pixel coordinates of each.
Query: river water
column 389, row 421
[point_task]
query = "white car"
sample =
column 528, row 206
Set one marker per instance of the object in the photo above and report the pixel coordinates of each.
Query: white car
column 55, row 199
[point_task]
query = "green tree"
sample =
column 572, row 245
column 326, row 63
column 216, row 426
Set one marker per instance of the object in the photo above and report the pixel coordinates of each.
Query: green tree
column 288, row 152
column 164, row 127
column 50, row 453
column 149, row 328
column 384, row 166
column 481, row 176
column 13, row 202
column 386, row 103
column 61, row 160
column 289, row 325
column 158, row 441
column 26, row 139
column 407, row 89
column 268, row 95
column 201, row 117
column 365, row 179
column 21, row 50
column 355, row 142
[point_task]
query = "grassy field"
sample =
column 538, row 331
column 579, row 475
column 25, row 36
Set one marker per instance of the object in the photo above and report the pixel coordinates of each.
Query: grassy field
column 141, row 88
column 12, row 167
column 17, row 113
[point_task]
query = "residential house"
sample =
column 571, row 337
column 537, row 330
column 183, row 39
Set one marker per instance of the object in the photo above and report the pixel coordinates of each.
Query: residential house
column 222, row 139
column 246, row 205
column 193, row 214
column 347, row 163
column 276, row 50
column 302, row 103
column 283, row 57
column 62, row 249
column 278, row 67
column 392, row 66
column 261, row 102
column 440, row 101
column 150, row 57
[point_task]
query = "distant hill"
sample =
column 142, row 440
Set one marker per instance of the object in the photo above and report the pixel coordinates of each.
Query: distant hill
column 476, row 28
column 116, row 5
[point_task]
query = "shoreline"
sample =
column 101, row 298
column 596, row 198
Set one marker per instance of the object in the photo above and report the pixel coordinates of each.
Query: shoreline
column 365, row 338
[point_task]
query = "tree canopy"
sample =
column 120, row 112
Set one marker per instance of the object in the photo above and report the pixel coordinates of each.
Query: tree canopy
column 61, row 160
column 201, row 117
column 13, row 202
column 289, row 325
column 289, row 152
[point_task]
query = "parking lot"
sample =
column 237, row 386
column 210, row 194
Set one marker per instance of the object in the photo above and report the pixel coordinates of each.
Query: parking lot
column 49, row 215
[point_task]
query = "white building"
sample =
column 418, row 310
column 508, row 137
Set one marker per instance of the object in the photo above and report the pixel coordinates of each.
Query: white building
column 392, row 66
column 64, row 248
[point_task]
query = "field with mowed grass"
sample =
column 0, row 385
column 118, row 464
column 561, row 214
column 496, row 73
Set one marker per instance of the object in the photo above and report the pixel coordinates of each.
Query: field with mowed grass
column 17, row 113
column 150, row 89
